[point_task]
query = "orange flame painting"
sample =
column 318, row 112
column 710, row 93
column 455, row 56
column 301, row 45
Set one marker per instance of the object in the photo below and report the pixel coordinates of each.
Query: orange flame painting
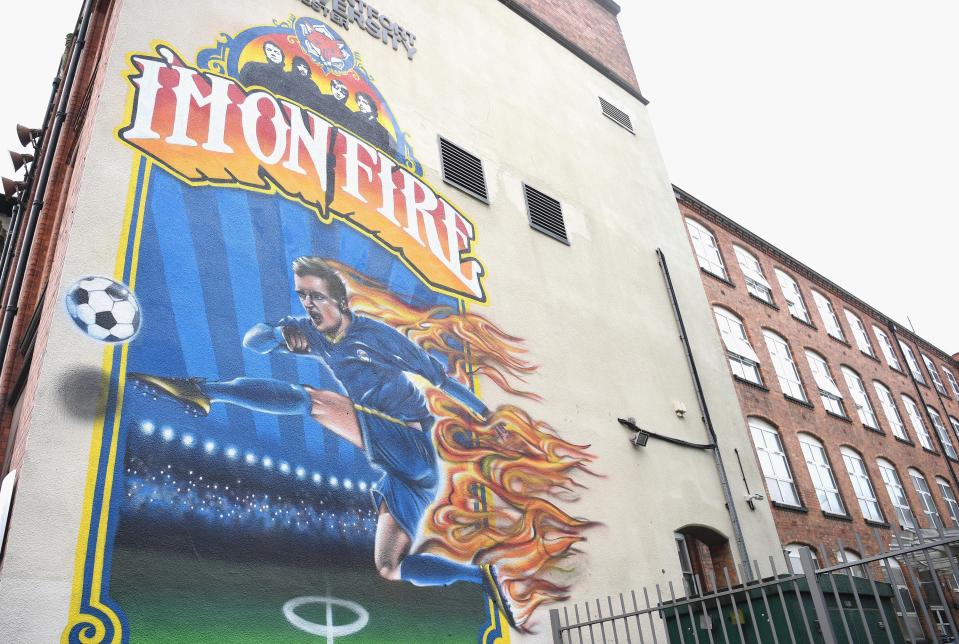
column 505, row 475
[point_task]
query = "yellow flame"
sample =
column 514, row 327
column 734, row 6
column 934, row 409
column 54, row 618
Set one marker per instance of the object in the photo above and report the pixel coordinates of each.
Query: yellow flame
column 503, row 472
column 471, row 344
column 500, row 475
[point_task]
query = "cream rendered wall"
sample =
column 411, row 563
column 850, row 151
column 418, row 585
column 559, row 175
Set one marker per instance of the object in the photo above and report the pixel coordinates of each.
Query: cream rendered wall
column 596, row 314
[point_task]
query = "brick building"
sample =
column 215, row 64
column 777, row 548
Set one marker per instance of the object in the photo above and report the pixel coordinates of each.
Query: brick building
column 854, row 419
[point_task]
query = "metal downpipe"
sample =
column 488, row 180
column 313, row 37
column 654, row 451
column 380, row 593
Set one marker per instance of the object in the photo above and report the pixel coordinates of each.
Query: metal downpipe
column 10, row 310
column 707, row 420
column 14, row 232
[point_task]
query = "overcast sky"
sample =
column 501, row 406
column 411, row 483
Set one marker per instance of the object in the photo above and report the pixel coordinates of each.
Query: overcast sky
column 828, row 128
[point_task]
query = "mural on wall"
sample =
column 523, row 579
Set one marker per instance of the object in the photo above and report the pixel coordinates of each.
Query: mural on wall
column 291, row 441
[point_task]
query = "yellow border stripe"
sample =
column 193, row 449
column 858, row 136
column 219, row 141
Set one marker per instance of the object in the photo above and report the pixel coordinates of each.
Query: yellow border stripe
column 83, row 538
column 100, row 555
column 96, row 445
column 135, row 260
column 495, row 617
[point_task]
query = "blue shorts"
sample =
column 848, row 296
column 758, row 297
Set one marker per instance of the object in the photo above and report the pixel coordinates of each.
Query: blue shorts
column 410, row 467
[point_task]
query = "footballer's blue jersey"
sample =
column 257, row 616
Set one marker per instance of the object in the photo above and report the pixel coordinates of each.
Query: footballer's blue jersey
column 371, row 361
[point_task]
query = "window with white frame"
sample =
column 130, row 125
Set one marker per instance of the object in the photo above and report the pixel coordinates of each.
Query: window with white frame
column 862, row 484
column 859, row 333
column 950, row 499
column 772, row 460
column 690, row 582
column 888, row 404
column 850, row 556
column 793, row 559
column 753, row 272
column 742, row 359
column 943, row 623
column 943, row 433
column 955, row 425
column 828, row 390
column 794, row 300
column 887, row 351
column 925, row 498
column 897, row 579
column 952, row 382
column 858, row 390
column 827, row 491
column 897, row 494
column 915, row 417
column 912, row 362
column 934, row 374
column 828, row 315
column 784, row 365
column 706, row 248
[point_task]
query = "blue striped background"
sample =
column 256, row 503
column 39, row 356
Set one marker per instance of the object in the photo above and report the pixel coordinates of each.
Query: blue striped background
column 213, row 262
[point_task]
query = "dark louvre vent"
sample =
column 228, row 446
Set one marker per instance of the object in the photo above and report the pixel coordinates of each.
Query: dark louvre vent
column 616, row 114
column 545, row 214
column 463, row 170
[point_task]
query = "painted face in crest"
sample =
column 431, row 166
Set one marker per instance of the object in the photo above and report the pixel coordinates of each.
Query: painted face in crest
column 364, row 104
column 339, row 91
column 273, row 53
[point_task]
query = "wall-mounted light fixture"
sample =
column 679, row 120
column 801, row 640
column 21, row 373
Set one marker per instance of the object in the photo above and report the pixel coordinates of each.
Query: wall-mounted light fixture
column 641, row 436
column 19, row 160
column 639, row 439
column 28, row 135
column 11, row 187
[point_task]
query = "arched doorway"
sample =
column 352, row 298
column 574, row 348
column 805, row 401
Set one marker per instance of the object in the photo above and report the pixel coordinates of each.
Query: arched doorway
column 705, row 559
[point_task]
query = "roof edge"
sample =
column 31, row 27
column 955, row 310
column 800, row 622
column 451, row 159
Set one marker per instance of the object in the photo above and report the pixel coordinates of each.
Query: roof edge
column 788, row 260
column 578, row 51
column 609, row 6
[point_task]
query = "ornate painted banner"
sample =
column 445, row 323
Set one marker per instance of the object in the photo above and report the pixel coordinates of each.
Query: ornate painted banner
column 209, row 129
column 291, row 441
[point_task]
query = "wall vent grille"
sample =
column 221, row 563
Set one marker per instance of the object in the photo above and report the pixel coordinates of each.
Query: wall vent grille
column 619, row 116
column 463, row 170
column 545, row 214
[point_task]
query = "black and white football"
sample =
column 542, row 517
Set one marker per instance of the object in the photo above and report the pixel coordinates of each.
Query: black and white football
column 104, row 309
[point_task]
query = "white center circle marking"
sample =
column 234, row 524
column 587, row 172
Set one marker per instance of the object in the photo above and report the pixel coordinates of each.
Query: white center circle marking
column 329, row 630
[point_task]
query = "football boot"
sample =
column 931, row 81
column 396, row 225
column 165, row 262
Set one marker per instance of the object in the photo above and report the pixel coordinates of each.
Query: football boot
column 186, row 391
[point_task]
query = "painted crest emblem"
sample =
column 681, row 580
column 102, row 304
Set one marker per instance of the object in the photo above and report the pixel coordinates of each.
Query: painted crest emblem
column 324, row 46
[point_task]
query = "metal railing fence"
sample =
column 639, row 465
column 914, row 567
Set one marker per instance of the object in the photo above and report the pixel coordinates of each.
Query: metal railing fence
column 908, row 592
